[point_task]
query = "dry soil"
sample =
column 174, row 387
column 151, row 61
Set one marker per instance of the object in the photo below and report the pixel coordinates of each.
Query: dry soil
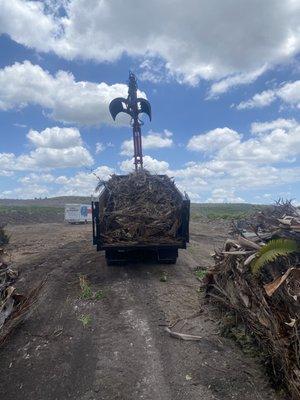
column 123, row 352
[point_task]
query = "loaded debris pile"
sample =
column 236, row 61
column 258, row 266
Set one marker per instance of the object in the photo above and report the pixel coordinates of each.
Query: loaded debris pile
column 257, row 276
column 140, row 208
column 14, row 307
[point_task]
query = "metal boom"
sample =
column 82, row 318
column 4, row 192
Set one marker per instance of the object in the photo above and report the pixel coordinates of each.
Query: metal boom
column 133, row 106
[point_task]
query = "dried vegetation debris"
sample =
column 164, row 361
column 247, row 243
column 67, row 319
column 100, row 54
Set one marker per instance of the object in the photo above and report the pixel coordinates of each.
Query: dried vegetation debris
column 4, row 238
column 14, row 307
column 257, row 276
column 141, row 208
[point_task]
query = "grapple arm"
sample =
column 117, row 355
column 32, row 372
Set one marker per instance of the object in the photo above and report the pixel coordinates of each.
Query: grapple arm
column 118, row 105
column 144, row 107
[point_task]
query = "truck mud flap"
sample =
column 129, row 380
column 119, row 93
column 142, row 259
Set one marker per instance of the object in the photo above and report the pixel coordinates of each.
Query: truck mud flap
column 167, row 255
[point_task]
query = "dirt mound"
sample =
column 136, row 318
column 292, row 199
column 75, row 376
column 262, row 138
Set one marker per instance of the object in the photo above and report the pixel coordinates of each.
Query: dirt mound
column 141, row 208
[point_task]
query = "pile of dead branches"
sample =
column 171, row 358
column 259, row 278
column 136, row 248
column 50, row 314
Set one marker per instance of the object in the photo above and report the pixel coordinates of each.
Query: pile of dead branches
column 140, row 208
column 14, row 307
column 257, row 277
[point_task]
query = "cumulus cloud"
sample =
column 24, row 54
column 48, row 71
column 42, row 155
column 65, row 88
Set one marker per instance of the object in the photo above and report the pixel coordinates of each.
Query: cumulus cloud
column 262, row 99
column 201, row 179
column 236, row 80
column 54, row 148
column 280, row 123
column 46, row 184
column 83, row 183
column 224, row 196
column 220, row 38
column 27, row 23
column 57, row 138
column 213, row 140
column 69, row 101
column 289, row 93
column 33, row 178
column 154, row 140
column 278, row 145
column 240, row 163
column 151, row 164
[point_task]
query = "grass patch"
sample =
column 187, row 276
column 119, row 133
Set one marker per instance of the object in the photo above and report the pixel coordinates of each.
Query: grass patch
column 200, row 274
column 99, row 295
column 163, row 277
column 30, row 209
column 86, row 291
column 223, row 211
column 85, row 319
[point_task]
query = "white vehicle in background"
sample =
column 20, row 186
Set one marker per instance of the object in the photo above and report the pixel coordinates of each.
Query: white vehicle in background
column 78, row 213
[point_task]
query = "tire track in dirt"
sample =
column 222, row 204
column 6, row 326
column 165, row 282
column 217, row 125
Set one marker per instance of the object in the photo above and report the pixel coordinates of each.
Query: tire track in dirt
column 124, row 353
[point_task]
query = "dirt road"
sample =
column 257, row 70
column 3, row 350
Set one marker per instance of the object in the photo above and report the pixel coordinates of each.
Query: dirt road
column 123, row 351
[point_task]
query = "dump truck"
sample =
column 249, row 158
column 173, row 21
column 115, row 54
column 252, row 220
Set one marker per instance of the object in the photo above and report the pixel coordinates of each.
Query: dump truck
column 132, row 223
column 140, row 214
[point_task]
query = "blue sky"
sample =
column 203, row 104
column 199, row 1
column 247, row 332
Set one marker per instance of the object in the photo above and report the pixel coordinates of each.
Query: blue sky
column 222, row 79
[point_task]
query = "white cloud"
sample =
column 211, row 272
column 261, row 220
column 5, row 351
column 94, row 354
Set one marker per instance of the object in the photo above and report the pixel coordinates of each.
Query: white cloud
column 27, row 191
column 276, row 146
column 280, row 123
column 201, row 179
column 41, row 185
column 83, row 183
column 27, row 23
column 57, row 138
column 55, row 148
column 153, row 70
column 207, row 39
column 100, row 147
column 20, row 125
column 6, row 173
column 289, row 93
column 241, row 164
column 37, row 178
column 238, row 165
column 224, row 196
column 239, row 79
column 154, row 140
column 46, row 157
column 262, row 99
column 151, row 164
column 213, row 140
column 69, row 101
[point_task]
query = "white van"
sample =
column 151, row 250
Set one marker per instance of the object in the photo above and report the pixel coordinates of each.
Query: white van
column 78, row 213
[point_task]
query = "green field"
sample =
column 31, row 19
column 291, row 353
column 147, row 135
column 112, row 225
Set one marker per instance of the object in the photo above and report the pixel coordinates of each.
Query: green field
column 30, row 214
column 223, row 211
column 52, row 210
column 30, row 209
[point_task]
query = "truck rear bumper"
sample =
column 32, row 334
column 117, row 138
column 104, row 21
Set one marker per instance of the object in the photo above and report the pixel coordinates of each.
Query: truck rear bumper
column 166, row 255
column 150, row 246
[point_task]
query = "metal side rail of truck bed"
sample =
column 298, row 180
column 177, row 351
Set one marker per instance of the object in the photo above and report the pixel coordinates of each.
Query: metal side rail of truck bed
column 123, row 253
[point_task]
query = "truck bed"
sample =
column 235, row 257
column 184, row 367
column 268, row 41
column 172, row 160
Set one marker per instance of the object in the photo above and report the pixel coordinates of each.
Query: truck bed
column 164, row 250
